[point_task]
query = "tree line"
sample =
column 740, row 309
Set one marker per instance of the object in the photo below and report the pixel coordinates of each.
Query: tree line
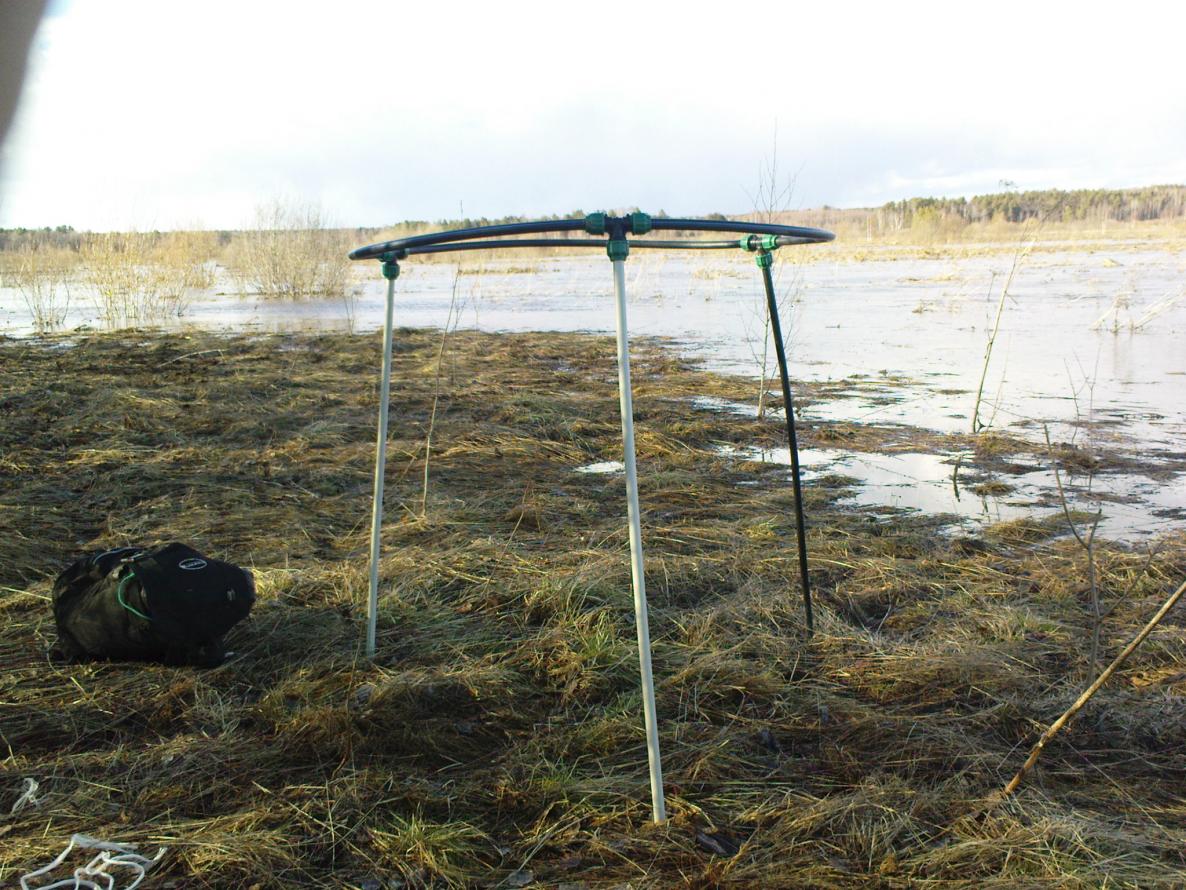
column 1122, row 205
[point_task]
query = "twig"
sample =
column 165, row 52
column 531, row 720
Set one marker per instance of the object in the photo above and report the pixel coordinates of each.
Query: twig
column 1091, row 690
column 437, row 395
column 988, row 351
column 178, row 358
column 1023, row 250
column 1088, row 545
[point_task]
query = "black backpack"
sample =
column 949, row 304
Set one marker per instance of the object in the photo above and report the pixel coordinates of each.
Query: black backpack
column 168, row 603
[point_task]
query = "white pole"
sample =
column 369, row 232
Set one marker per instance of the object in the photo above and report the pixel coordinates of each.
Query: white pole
column 636, row 565
column 380, row 466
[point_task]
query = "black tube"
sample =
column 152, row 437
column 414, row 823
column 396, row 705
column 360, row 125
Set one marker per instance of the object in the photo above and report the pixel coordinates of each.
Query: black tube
column 789, row 410
column 793, row 234
column 682, row 244
column 788, row 240
column 523, row 228
column 513, row 242
column 801, row 234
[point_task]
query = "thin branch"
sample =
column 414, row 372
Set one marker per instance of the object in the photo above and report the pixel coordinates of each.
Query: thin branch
column 1069, row 713
column 437, row 395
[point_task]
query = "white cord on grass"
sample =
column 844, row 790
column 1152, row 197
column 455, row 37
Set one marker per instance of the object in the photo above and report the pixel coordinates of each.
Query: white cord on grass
column 87, row 877
column 28, row 797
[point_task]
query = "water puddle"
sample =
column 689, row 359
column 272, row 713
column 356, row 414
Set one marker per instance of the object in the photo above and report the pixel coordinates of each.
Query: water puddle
column 1133, row 506
column 724, row 406
column 605, row 466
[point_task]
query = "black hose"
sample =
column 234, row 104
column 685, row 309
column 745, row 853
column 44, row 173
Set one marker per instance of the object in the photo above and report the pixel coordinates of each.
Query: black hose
column 523, row 228
column 798, row 234
column 619, row 224
column 682, row 244
column 792, row 441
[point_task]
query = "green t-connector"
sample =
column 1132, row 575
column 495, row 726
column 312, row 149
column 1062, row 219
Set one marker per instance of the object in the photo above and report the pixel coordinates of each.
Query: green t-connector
column 765, row 259
column 755, row 242
column 595, row 223
column 640, row 223
column 618, row 248
column 390, row 266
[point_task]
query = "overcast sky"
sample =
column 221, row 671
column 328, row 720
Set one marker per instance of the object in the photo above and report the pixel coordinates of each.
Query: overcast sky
column 155, row 114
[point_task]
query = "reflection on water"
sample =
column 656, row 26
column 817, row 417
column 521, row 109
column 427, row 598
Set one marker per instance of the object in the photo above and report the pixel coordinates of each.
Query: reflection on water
column 725, row 406
column 1133, row 506
column 924, row 320
column 604, row 467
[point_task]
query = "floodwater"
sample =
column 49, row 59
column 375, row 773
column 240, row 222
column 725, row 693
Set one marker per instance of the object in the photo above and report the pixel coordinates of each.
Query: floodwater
column 1090, row 345
column 1132, row 505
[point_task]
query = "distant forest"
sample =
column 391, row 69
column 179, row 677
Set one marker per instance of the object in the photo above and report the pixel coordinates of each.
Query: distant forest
column 1081, row 205
column 1155, row 202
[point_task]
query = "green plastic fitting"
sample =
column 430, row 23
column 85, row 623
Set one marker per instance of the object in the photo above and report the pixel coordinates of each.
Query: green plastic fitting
column 618, row 248
column 765, row 259
column 595, row 223
column 759, row 242
column 640, row 223
column 390, row 266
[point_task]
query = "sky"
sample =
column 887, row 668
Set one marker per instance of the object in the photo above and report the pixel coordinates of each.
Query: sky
column 161, row 114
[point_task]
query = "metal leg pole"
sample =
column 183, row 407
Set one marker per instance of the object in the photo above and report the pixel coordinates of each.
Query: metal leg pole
column 380, row 463
column 636, row 561
column 765, row 261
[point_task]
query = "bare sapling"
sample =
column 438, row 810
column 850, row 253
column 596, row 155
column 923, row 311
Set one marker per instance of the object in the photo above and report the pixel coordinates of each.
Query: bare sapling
column 1025, row 245
column 450, row 321
column 1086, row 540
column 977, row 425
column 769, row 200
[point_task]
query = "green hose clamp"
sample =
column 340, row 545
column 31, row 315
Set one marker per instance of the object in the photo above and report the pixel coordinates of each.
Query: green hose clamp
column 764, row 259
column 390, row 266
column 595, row 223
column 640, row 223
column 617, row 248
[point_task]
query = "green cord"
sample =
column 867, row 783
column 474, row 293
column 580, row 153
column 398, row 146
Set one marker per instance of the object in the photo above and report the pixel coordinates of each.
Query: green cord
column 119, row 595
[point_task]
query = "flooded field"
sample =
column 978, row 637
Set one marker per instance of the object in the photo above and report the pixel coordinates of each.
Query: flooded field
column 1089, row 348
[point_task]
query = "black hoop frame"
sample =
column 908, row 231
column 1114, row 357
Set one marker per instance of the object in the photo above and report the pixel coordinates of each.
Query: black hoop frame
column 617, row 227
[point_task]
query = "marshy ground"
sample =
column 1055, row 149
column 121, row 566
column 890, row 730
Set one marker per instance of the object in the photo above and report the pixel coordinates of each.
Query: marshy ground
column 497, row 738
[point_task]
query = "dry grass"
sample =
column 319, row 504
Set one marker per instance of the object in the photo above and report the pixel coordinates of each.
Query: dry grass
column 497, row 738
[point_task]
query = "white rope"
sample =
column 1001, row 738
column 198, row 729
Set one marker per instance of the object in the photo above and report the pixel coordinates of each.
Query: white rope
column 28, row 797
column 87, row 877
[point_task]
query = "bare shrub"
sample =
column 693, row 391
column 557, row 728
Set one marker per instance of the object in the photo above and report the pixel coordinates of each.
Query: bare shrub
column 143, row 277
column 42, row 280
column 290, row 253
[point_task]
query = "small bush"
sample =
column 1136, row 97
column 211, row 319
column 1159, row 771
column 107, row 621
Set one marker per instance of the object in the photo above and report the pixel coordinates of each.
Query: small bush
column 138, row 277
column 41, row 278
column 290, row 253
